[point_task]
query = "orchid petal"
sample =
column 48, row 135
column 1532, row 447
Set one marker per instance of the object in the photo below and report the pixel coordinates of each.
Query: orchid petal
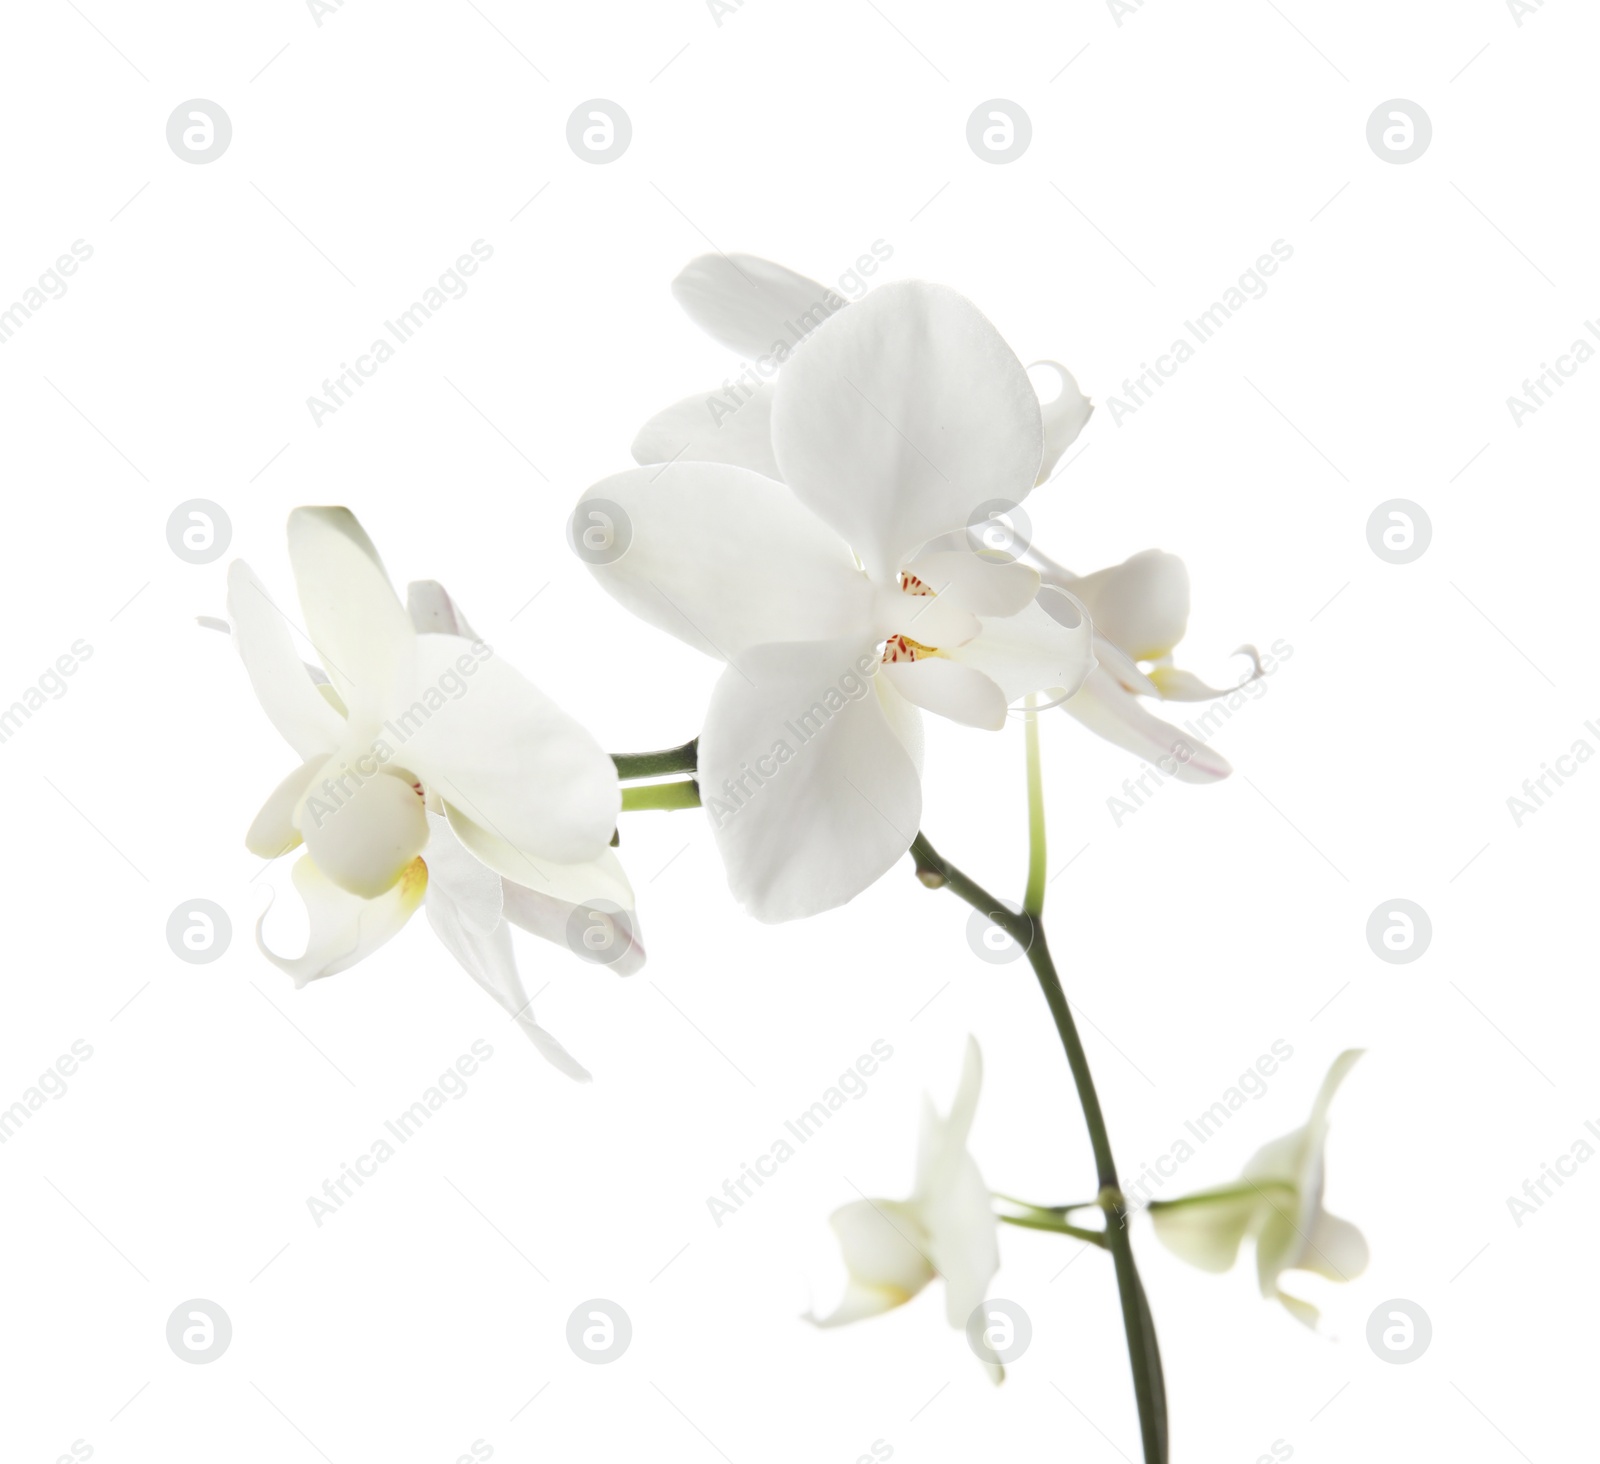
column 725, row 560
column 432, row 611
column 1142, row 604
column 1207, row 1232
column 344, row 928
column 811, row 793
column 1110, row 712
column 884, row 1249
column 489, row 742
column 751, row 305
column 986, row 584
column 1065, row 415
column 1047, row 646
column 464, row 906
column 362, row 831
column 901, row 418
column 362, row 634
column 273, row 832
column 287, row 694
column 710, row 429
column 947, row 687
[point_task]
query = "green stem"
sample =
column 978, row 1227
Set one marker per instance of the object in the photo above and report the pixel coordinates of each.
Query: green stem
column 657, row 764
column 1033, row 898
column 1249, row 1189
column 679, row 793
column 1028, row 931
column 1057, row 1227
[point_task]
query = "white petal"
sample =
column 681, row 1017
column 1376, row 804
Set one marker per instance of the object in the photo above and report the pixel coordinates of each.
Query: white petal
column 273, row 832
column 1065, row 415
column 287, row 694
column 1207, row 1232
column 946, row 687
column 751, row 305
column 951, row 1199
column 1045, row 647
column 708, row 428
column 901, row 417
column 1110, row 712
column 885, row 1252
column 931, row 620
column 464, row 908
column 357, row 623
column 963, row 1238
column 725, row 559
column 810, row 791
column 542, row 896
column 551, row 919
column 432, row 611
column 363, row 833
column 489, row 742
column 1142, row 604
column 1334, row 1248
column 344, row 928
column 985, row 583
column 905, row 719
column 1337, row 1073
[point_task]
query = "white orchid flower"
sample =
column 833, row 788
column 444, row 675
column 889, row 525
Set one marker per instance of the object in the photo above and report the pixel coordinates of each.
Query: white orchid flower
column 901, row 418
column 1278, row 1202
column 894, row 1248
column 1140, row 608
column 431, row 772
column 765, row 313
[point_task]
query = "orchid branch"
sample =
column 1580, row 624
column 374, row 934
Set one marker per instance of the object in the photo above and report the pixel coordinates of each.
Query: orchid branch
column 1027, row 929
column 676, row 793
column 657, row 764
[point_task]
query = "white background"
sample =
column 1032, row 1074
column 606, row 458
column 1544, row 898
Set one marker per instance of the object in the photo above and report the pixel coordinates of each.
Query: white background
column 432, row 1307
